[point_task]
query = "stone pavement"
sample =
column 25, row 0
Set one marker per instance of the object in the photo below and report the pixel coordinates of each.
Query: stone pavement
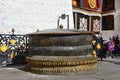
column 109, row 69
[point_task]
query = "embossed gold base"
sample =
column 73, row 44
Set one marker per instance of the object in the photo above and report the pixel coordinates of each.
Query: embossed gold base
column 61, row 64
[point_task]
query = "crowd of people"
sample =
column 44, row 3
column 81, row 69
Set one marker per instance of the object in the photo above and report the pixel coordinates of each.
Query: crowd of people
column 108, row 48
column 113, row 45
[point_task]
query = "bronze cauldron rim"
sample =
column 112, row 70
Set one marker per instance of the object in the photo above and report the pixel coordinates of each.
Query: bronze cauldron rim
column 61, row 32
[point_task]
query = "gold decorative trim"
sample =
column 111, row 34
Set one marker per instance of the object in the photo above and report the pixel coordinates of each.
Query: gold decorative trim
column 64, row 70
column 42, row 63
column 63, row 66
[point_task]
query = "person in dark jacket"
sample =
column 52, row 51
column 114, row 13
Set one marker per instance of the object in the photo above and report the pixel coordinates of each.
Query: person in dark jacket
column 98, row 46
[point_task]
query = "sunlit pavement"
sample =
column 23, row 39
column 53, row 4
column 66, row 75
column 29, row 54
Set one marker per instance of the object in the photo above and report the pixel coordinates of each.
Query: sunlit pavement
column 108, row 69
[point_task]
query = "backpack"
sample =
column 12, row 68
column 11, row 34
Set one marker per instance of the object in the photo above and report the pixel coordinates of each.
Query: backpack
column 110, row 46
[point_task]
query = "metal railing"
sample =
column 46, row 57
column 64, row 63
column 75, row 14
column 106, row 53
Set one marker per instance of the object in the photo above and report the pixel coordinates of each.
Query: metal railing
column 13, row 48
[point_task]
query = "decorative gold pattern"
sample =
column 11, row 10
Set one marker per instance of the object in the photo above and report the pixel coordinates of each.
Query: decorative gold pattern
column 98, row 46
column 12, row 55
column 10, row 47
column 65, row 70
column 13, row 41
column 64, row 65
column 94, row 53
column 3, row 48
column 92, row 3
column 93, row 42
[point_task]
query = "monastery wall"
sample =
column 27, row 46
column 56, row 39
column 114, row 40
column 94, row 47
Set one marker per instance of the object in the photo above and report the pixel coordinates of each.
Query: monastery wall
column 110, row 33
column 26, row 16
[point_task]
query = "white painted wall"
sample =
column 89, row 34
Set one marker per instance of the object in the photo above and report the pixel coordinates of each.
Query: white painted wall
column 26, row 16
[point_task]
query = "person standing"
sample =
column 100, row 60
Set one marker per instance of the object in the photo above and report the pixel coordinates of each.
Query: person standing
column 100, row 38
column 98, row 45
column 111, row 47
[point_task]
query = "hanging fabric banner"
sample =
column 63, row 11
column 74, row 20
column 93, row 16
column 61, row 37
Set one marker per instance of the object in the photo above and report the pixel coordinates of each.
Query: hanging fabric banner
column 90, row 4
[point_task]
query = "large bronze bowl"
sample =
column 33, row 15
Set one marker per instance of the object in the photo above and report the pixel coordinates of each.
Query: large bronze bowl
column 60, row 52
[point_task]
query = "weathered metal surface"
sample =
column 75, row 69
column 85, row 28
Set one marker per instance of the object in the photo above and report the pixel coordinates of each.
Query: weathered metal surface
column 60, row 43
column 60, row 52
